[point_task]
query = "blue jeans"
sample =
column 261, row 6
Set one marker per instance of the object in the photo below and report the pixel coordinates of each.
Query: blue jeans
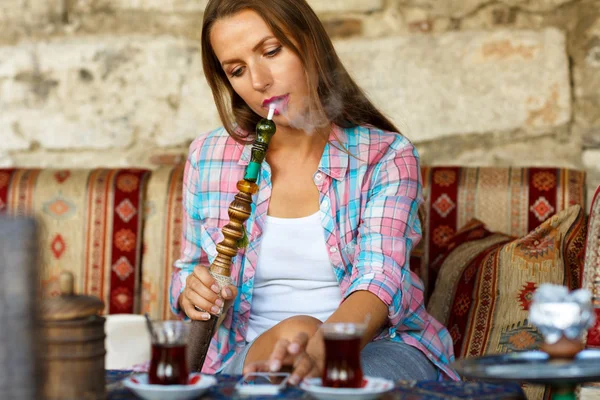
column 382, row 358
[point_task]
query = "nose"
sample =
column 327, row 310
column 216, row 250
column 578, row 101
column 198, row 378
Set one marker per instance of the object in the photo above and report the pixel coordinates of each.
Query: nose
column 261, row 78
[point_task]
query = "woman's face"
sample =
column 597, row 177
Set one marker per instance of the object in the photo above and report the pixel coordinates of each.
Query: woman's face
column 260, row 69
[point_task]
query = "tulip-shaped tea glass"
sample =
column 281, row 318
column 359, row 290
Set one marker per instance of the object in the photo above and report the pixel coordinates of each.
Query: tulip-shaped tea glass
column 342, row 355
column 168, row 365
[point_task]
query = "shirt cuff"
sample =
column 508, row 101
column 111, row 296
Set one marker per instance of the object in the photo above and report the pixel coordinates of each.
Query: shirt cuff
column 177, row 287
column 376, row 284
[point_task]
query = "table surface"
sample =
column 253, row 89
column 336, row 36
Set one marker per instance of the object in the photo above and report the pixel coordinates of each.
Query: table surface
column 426, row 390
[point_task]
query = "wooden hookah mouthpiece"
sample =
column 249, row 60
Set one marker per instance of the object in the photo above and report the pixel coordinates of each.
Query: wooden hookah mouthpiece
column 235, row 237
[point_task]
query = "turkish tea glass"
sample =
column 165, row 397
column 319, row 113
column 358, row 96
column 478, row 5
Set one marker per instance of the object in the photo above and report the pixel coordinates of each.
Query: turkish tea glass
column 342, row 355
column 168, row 365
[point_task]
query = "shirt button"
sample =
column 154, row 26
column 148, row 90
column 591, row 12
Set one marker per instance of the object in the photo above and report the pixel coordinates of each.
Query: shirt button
column 319, row 177
column 333, row 249
column 393, row 335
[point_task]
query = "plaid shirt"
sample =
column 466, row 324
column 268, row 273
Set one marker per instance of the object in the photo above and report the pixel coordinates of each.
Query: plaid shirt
column 369, row 216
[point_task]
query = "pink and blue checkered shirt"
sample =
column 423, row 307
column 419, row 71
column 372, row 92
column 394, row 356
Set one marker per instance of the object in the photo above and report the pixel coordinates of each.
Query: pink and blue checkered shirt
column 368, row 207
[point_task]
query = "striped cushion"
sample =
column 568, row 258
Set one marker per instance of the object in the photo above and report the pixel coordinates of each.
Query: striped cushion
column 91, row 225
column 591, row 274
column 162, row 239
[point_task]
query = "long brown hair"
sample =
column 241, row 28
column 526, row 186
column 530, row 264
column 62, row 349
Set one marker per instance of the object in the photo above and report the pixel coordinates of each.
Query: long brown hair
column 334, row 96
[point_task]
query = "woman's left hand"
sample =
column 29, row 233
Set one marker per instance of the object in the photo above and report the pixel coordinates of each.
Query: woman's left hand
column 301, row 356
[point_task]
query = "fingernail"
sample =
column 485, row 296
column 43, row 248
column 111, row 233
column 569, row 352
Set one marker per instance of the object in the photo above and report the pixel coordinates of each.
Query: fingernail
column 206, row 316
column 275, row 365
column 293, row 348
column 228, row 293
column 293, row 380
column 215, row 289
column 219, row 302
column 215, row 309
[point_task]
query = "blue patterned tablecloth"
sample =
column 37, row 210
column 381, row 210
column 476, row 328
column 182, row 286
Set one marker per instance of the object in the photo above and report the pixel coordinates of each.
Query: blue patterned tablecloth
column 426, row 390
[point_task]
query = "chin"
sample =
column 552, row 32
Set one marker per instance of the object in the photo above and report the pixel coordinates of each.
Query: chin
column 281, row 120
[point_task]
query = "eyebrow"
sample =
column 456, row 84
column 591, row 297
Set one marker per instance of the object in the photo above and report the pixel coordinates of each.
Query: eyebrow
column 258, row 45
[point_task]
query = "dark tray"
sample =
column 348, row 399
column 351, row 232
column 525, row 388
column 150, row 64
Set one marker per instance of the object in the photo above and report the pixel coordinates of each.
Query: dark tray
column 532, row 367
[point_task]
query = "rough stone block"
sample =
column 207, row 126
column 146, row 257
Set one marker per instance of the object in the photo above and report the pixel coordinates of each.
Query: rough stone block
column 11, row 138
column 18, row 12
column 459, row 8
column 501, row 149
column 102, row 92
column 586, row 111
column 592, row 138
column 343, row 28
column 591, row 160
column 145, row 5
column 322, row 6
column 143, row 154
column 5, row 160
column 465, row 82
column 585, row 50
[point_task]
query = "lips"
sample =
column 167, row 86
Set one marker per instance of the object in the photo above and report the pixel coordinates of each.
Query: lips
column 277, row 100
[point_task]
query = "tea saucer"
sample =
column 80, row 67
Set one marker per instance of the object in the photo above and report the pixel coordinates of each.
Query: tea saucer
column 199, row 383
column 373, row 388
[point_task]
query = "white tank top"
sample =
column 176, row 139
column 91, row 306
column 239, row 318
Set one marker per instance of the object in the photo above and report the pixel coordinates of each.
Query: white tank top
column 293, row 274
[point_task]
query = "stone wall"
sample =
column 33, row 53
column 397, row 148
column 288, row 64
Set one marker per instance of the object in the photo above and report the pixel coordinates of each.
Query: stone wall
column 476, row 82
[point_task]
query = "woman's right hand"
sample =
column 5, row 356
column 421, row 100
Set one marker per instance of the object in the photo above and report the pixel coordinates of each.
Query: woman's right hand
column 202, row 291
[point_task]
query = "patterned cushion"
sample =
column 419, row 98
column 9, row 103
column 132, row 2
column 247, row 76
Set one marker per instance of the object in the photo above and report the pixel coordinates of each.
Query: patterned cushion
column 90, row 224
column 591, row 276
column 162, row 239
column 486, row 281
column 513, row 201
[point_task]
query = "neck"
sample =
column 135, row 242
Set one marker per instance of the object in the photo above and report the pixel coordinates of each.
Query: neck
column 289, row 140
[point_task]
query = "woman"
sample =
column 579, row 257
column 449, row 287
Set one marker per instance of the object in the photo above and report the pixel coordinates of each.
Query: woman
column 335, row 218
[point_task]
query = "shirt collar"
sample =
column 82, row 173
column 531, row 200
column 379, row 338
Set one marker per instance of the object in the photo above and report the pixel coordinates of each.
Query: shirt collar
column 335, row 157
column 334, row 161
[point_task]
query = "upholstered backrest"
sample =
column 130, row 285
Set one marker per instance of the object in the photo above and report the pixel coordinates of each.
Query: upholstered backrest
column 509, row 200
column 162, row 239
column 513, row 201
column 591, row 269
column 90, row 223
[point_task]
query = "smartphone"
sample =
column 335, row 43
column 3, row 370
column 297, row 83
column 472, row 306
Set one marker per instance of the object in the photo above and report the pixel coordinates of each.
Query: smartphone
column 262, row 383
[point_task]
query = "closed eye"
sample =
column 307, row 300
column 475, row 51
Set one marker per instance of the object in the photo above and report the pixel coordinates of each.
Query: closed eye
column 273, row 52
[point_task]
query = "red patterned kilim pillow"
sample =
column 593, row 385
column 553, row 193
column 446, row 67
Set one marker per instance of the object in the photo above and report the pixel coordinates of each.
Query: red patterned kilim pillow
column 486, row 281
column 513, row 201
column 90, row 224
column 162, row 239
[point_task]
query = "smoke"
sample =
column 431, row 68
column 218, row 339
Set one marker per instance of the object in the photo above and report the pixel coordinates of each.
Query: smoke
column 312, row 118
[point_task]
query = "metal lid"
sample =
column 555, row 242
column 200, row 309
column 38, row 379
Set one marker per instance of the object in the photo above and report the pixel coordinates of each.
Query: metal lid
column 68, row 305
